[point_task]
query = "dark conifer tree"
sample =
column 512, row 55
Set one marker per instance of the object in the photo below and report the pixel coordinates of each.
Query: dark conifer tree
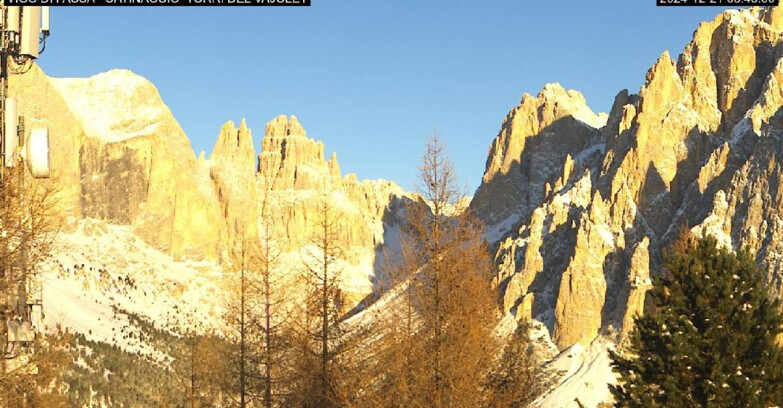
column 710, row 340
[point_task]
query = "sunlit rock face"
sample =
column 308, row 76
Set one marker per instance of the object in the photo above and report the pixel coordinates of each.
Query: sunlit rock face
column 120, row 156
column 580, row 205
column 577, row 204
column 535, row 140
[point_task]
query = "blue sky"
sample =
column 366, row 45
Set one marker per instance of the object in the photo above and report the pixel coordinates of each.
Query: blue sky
column 373, row 78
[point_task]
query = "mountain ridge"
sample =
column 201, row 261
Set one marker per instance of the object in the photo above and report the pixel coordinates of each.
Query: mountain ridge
column 578, row 205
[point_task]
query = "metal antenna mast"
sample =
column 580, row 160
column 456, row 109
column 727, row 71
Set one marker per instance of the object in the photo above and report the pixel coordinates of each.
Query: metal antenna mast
column 23, row 33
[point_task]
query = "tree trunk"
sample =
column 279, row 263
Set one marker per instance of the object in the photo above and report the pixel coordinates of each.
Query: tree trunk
column 242, row 368
column 325, row 321
column 268, row 326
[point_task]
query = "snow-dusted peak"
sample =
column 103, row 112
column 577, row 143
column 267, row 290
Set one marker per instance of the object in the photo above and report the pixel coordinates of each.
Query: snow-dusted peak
column 741, row 17
column 118, row 79
column 114, row 105
column 574, row 102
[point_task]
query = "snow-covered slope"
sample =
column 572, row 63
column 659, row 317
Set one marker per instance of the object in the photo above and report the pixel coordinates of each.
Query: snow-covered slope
column 102, row 278
column 114, row 105
column 102, row 274
column 585, row 375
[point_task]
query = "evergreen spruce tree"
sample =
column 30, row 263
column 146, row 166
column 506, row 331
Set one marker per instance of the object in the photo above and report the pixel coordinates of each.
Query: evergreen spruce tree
column 710, row 340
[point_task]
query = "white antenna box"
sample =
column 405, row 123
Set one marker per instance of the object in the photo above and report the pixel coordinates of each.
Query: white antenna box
column 31, row 27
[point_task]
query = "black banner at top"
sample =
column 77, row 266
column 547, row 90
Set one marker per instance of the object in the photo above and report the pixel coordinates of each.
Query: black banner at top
column 717, row 3
column 157, row 2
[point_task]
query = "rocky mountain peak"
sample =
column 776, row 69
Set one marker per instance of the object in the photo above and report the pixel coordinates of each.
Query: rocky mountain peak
column 114, row 105
column 281, row 127
column 235, row 145
column 696, row 146
column 536, row 116
column 334, row 167
column 293, row 160
column 123, row 158
column 531, row 148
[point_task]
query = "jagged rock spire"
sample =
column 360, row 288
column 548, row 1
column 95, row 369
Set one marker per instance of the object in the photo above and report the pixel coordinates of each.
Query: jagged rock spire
column 293, row 160
column 235, row 146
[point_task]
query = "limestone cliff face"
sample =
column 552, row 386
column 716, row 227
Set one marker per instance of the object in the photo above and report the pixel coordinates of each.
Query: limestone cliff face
column 136, row 165
column 293, row 161
column 293, row 171
column 293, row 175
column 698, row 146
column 113, row 143
column 232, row 167
column 536, row 138
column 119, row 155
column 281, row 186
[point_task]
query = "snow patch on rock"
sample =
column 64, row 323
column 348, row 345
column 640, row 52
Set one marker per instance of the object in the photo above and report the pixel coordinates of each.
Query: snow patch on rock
column 113, row 106
column 586, row 375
